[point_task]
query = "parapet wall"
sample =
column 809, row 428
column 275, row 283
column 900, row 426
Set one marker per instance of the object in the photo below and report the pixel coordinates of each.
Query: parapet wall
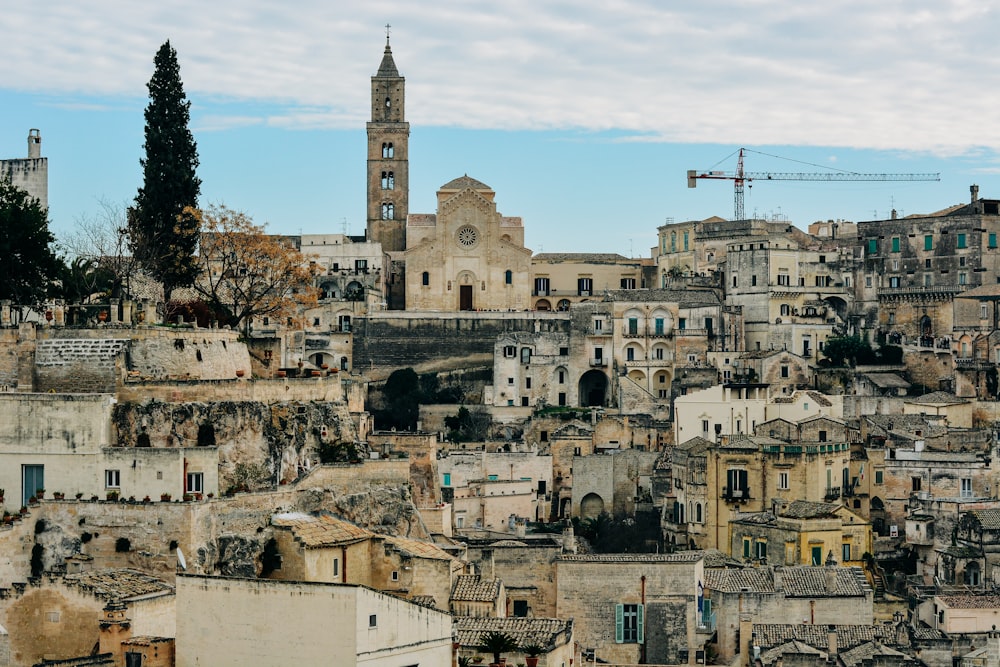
column 386, row 341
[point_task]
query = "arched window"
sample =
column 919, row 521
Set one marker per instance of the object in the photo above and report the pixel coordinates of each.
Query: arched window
column 387, row 150
column 425, row 278
column 388, row 180
column 508, row 277
column 697, row 512
column 785, row 310
column 388, row 211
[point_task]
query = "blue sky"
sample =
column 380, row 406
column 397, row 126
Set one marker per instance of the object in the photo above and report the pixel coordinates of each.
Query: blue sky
column 583, row 115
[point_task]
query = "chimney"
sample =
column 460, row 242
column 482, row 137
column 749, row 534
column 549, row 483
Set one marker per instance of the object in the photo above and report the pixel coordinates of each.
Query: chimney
column 831, row 640
column 993, row 648
column 894, row 214
column 974, row 190
column 746, row 638
column 116, row 627
column 778, row 581
column 831, row 579
column 34, row 144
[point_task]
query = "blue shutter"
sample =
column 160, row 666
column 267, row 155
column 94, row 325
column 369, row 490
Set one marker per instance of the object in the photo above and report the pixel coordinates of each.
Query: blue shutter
column 619, row 623
column 640, row 637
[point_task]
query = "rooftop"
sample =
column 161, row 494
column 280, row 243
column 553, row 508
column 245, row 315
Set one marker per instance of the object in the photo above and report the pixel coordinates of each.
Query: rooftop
column 315, row 532
column 118, row 584
column 546, row 632
column 474, row 588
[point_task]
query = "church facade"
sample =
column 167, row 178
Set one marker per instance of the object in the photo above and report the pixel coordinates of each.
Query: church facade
column 467, row 256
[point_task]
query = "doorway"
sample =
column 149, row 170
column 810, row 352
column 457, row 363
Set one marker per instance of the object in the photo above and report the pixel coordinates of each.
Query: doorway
column 465, row 297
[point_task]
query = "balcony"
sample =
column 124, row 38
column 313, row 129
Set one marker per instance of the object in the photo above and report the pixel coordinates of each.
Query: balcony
column 967, row 363
column 735, row 495
column 601, row 362
column 706, row 622
column 832, row 493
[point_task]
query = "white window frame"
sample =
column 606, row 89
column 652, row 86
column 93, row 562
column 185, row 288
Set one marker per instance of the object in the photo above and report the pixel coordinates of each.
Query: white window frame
column 196, row 482
column 112, row 479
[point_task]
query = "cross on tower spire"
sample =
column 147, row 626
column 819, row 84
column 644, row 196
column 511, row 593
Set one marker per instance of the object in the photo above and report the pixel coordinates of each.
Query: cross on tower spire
column 387, row 26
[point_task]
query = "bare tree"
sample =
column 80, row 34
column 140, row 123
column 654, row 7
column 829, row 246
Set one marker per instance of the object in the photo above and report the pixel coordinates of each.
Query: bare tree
column 101, row 241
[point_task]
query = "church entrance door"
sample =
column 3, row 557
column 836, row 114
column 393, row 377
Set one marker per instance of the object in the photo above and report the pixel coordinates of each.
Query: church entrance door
column 465, row 297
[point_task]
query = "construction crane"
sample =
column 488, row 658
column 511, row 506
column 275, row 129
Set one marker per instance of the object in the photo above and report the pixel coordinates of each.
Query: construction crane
column 741, row 178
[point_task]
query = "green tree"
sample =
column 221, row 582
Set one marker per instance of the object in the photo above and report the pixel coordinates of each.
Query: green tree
column 852, row 350
column 164, row 236
column 29, row 266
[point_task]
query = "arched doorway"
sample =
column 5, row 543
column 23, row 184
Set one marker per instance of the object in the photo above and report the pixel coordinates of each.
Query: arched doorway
column 466, row 284
column 591, row 506
column 593, row 389
column 543, row 304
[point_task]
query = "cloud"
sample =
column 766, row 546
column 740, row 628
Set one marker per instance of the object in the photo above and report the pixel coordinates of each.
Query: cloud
column 901, row 74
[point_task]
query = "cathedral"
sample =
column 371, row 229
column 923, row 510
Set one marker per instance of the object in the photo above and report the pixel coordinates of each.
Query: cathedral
column 465, row 257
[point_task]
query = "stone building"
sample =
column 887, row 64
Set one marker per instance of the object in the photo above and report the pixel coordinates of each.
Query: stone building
column 286, row 623
column 562, row 279
column 914, row 267
column 803, row 594
column 634, row 608
column 30, row 174
column 552, row 634
column 617, row 481
column 467, row 256
column 801, row 532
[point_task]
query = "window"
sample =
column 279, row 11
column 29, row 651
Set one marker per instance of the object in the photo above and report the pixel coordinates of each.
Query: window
column 966, row 487
column 704, row 425
column 892, row 318
column 520, row 608
column 633, row 326
column 895, row 265
column 916, row 482
column 784, row 371
column 961, row 260
column 395, row 575
column 509, row 351
column 783, row 481
column 527, row 383
column 508, row 277
column 927, row 280
column 878, row 476
column 373, row 621
column 682, row 323
column 868, row 281
column 894, row 281
column 447, row 479
column 747, row 546
column 541, row 286
column 961, row 241
column 658, row 326
column 673, row 241
column 112, row 479
column 822, row 436
column 598, row 325
column 336, row 567
column 195, row 482
column 983, row 313
column 387, row 150
column 783, row 279
column 628, row 283
column 563, row 351
column 962, row 278
column 562, row 377
column 895, row 244
column 425, row 278
column 761, row 550
column 736, row 482
column 388, row 180
column 584, row 286
column 562, row 398
column 992, row 243
column 845, row 554
column 658, row 354
column 685, row 240
column 388, row 211
column 817, row 555
column 630, row 354
column 872, row 246
column 628, row 624
column 929, row 242
column 753, row 281
column 525, row 355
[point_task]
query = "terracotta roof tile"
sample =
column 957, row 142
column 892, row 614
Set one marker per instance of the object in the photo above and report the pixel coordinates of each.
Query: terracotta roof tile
column 971, row 601
column 118, row 583
column 316, row 532
column 474, row 588
column 769, row 635
column 545, row 632
column 419, row 548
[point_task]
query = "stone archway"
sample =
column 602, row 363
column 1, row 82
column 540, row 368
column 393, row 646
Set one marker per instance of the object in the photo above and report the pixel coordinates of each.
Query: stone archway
column 593, row 389
column 591, row 506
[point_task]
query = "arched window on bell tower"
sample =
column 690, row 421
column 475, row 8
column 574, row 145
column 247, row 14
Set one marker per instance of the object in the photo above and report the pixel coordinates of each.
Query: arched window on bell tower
column 387, row 150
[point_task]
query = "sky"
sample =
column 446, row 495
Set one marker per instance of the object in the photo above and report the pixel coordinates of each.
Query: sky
column 583, row 115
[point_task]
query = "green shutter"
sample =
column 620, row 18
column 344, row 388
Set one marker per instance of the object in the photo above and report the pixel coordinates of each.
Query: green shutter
column 706, row 607
column 640, row 637
column 619, row 623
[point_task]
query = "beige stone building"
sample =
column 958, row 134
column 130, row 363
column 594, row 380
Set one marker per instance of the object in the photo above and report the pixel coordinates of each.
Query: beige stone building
column 562, row 279
column 304, row 623
column 634, row 608
column 467, row 256
column 30, row 174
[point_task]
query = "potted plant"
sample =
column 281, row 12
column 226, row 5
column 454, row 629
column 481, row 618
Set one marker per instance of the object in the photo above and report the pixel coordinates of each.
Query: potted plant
column 58, row 495
column 164, row 497
column 146, row 499
column 496, row 643
column 79, row 494
column 477, row 659
column 532, row 651
column 187, row 497
column 113, row 496
column 32, row 500
column 39, row 493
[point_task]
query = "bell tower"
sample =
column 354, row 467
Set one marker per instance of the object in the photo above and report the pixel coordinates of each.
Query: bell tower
column 388, row 157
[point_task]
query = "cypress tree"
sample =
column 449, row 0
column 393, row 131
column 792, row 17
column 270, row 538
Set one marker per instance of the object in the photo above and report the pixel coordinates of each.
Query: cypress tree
column 164, row 237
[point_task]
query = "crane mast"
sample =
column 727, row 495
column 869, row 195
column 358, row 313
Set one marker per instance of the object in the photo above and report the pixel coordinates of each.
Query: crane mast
column 741, row 178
